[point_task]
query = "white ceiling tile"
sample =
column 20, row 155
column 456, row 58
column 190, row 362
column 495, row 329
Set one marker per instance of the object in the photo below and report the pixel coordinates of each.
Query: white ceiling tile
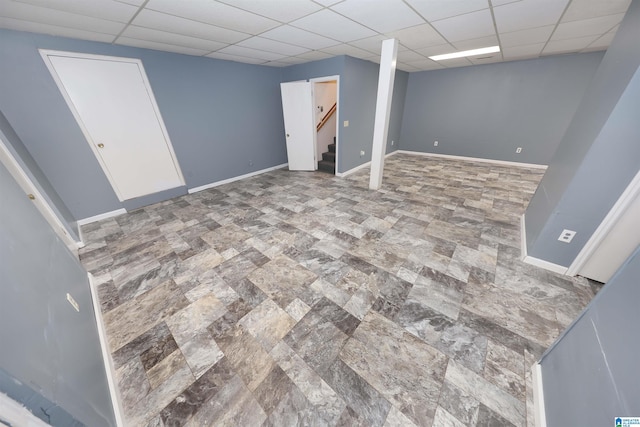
column 235, row 58
column 292, row 60
column 125, row 41
column 584, row 9
column 603, row 42
column 522, row 51
column 132, row 2
column 382, row 16
column 214, row 13
column 464, row 27
column 278, row 64
column 454, row 63
column 175, row 24
column 528, row 14
column 587, row 27
column 419, row 36
column 426, row 64
column 43, row 15
column 341, row 28
column 345, row 49
column 251, row 53
column 372, row 44
column 436, row 50
column 568, row 45
column 293, row 35
column 496, row 57
column 327, row 3
column 33, row 27
column 280, row 10
column 406, row 67
column 476, row 43
column 433, row 10
column 528, row 36
column 261, row 43
column 157, row 36
column 104, row 9
column 409, row 55
column 495, row 3
column 315, row 55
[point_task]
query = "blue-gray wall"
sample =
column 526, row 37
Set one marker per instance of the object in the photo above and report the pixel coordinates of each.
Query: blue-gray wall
column 357, row 104
column 221, row 116
column 597, row 157
column 488, row 111
column 590, row 375
column 397, row 110
column 44, row 343
column 35, row 174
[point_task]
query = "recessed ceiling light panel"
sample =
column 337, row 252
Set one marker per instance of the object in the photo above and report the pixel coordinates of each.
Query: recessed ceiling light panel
column 464, row 53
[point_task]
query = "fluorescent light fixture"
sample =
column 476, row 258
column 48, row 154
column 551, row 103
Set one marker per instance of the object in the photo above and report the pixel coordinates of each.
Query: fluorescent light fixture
column 464, row 53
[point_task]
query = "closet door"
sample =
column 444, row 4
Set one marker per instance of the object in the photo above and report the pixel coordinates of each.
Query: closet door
column 113, row 103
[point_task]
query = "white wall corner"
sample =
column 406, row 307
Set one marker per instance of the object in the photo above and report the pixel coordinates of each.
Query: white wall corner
column 538, row 396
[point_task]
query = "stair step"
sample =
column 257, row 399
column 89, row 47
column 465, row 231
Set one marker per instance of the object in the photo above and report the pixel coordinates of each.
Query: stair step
column 329, row 157
column 332, row 148
column 326, row 166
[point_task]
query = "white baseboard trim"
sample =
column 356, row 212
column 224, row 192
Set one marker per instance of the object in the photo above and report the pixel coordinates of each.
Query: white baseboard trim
column 235, row 178
column 362, row 166
column 101, row 216
column 353, row 170
column 538, row 396
column 106, row 356
column 560, row 269
column 475, row 159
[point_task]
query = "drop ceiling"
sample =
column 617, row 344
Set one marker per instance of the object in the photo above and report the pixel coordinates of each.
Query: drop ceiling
column 285, row 32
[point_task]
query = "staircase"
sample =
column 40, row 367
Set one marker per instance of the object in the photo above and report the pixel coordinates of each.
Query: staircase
column 328, row 162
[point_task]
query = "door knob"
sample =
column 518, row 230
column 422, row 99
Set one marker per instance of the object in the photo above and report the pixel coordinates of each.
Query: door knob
column 31, row 196
column 100, row 145
column 287, row 135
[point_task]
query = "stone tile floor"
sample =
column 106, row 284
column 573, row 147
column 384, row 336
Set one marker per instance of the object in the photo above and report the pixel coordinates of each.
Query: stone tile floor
column 299, row 298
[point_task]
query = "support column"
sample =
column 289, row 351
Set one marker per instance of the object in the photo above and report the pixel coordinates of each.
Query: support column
column 386, row 79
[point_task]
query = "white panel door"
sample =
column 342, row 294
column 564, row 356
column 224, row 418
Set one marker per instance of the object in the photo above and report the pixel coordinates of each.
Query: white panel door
column 114, row 105
column 299, row 126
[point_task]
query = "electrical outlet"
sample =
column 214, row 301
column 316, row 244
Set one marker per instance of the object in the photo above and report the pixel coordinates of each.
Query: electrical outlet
column 250, row 162
column 435, row 143
column 392, row 142
column 518, row 150
column 566, row 236
column 361, row 153
column 346, row 123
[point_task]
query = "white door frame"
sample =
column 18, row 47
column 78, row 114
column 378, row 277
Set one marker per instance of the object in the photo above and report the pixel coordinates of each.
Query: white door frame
column 31, row 191
column 45, row 53
column 337, row 80
column 619, row 208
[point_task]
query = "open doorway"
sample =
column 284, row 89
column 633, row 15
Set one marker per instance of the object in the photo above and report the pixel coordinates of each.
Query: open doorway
column 325, row 104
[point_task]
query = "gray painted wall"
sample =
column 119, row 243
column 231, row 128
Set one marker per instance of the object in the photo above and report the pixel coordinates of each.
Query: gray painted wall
column 35, row 174
column 488, row 111
column 357, row 103
column 220, row 115
column 598, row 156
column 590, row 374
column 46, row 344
